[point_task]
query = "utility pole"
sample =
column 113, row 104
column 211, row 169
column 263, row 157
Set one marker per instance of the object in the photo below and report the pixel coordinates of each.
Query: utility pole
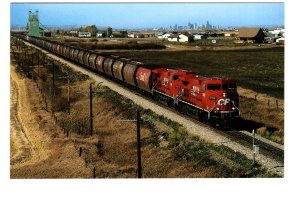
column 69, row 90
column 91, row 105
column 139, row 163
column 38, row 63
column 69, row 101
column 53, row 74
column 31, row 48
column 253, row 133
column 18, row 44
column 91, row 109
column 138, row 138
column 53, row 87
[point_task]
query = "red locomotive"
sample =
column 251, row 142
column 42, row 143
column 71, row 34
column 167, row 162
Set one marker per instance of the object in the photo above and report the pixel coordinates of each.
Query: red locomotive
column 211, row 99
column 214, row 100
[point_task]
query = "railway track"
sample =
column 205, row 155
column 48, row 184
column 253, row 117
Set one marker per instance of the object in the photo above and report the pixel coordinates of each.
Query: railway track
column 266, row 149
column 274, row 151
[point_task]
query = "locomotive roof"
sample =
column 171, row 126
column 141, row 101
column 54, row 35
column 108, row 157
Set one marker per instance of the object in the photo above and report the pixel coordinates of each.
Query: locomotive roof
column 218, row 79
column 151, row 66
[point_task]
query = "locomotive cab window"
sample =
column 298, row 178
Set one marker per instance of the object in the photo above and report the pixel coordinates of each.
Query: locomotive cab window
column 214, row 87
column 185, row 83
column 228, row 86
column 175, row 77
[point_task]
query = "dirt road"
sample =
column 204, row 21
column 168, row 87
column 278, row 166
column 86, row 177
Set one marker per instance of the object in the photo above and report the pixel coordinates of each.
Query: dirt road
column 19, row 143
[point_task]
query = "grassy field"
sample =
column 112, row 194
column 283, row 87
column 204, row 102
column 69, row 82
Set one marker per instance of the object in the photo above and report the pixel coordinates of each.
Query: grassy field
column 94, row 44
column 261, row 70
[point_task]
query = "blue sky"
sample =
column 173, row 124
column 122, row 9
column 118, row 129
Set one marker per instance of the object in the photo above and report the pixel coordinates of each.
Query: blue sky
column 151, row 15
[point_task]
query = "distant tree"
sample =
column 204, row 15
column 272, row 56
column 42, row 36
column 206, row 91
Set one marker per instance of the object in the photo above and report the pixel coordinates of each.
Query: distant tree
column 109, row 31
column 92, row 29
column 123, row 33
column 81, row 29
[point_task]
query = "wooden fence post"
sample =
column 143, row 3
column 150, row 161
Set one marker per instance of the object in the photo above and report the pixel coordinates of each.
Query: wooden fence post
column 80, row 151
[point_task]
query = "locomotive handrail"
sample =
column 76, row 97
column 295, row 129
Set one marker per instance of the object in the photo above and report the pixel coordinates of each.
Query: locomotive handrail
column 212, row 108
column 236, row 107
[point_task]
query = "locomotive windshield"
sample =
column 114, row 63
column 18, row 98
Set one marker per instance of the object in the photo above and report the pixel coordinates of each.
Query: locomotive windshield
column 214, row 87
column 228, row 86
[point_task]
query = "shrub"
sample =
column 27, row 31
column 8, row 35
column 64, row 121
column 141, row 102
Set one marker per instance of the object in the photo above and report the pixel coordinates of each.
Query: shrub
column 93, row 40
column 262, row 130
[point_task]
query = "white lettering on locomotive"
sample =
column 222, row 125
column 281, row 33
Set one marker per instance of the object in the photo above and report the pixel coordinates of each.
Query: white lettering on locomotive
column 194, row 90
column 223, row 101
column 142, row 76
column 165, row 81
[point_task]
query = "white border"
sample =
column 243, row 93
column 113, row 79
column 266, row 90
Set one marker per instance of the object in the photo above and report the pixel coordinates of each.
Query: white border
column 161, row 188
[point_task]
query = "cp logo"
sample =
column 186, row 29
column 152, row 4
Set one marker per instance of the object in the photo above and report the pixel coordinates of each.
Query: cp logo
column 223, row 101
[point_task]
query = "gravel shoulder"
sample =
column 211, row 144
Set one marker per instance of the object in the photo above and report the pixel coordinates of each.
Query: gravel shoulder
column 193, row 128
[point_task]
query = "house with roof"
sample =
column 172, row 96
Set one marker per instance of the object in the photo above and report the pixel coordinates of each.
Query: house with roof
column 156, row 34
column 251, row 35
column 200, row 36
column 180, row 38
column 280, row 40
column 85, row 34
column 164, row 36
column 185, row 38
column 173, row 38
column 135, row 35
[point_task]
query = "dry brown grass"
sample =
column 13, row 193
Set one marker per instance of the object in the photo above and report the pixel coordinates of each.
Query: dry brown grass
column 260, row 111
column 52, row 157
column 112, row 150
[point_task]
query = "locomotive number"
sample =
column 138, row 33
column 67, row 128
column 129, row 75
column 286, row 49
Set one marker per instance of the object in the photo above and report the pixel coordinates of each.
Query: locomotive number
column 223, row 101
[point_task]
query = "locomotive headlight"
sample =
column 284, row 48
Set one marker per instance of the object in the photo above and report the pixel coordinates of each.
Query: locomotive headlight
column 224, row 94
column 218, row 108
column 233, row 108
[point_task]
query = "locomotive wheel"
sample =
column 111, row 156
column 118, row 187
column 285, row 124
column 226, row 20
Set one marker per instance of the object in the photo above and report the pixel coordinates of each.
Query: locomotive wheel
column 170, row 103
column 213, row 122
column 178, row 108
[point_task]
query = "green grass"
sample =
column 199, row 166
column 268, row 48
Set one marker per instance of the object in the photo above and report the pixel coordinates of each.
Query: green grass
column 261, row 70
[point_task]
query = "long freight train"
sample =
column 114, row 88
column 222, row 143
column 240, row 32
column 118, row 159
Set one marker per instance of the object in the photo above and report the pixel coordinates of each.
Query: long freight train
column 212, row 100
